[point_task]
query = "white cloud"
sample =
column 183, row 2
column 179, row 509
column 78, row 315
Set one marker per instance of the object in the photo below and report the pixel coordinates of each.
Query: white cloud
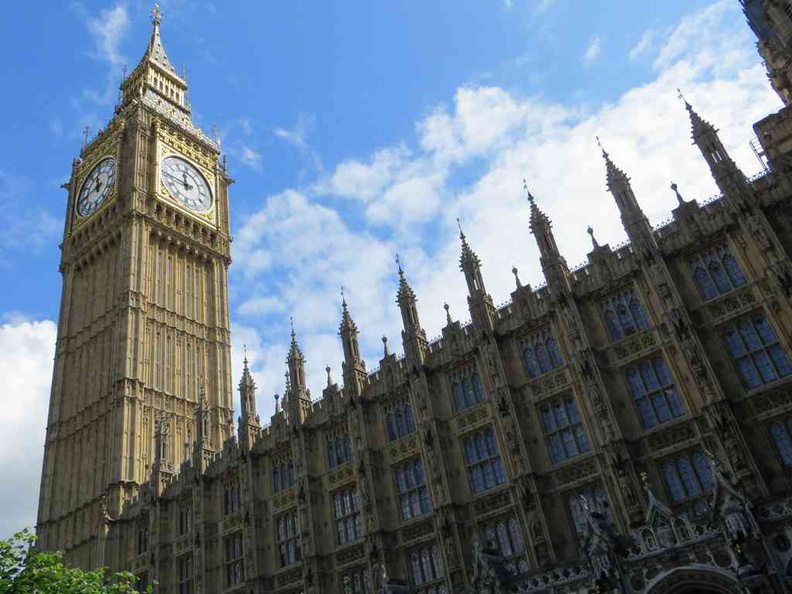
column 26, row 352
column 593, row 51
column 643, row 45
column 298, row 137
column 250, row 157
column 108, row 30
column 467, row 159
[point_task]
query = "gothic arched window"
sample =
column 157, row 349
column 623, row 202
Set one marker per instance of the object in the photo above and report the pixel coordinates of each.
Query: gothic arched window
column 653, row 390
column 624, row 315
column 782, row 437
column 756, row 351
column 485, row 469
column 716, row 272
column 466, row 388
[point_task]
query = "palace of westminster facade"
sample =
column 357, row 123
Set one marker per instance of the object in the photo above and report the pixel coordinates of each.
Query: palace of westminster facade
column 625, row 428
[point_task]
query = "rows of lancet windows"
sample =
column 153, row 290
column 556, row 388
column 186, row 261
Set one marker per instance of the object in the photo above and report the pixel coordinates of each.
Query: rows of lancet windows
column 232, row 497
column 282, row 475
column 654, row 392
column 540, row 354
column 466, row 388
column 426, row 569
column 399, row 420
column 755, row 350
column 178, row 283
column 165, row 364
column 484, row 466
column 233, row 560
column 563, row 428
column 411, row 488
column 781, row 434
column 339, row 450
column 354, row 581
column 624, row 315
column 184, row 520
column 346, row 515
column 716, row 272
column 504, row 536
column 287, row 537
column 595, row 499
column 687, row 476
column 166, row 88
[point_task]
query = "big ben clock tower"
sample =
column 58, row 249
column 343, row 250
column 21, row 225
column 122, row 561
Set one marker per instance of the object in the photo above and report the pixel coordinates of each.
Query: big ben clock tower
column 143, row 332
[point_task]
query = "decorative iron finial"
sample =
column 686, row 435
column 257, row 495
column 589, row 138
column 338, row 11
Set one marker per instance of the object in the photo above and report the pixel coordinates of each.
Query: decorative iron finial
column 86, row 133
column 530, row 196
column 599, row 144
column 277, row 397
column 461, row 233
column 590, row 231
column 448, row 312
column 385, row 345
column 216, row 134
column 678, row 195
column 516, row 277
column 329, row 378
column 245, row 360
column 343, row 297
column 291, row 321
column 156, row 15
column 685, row 101
column 398, row 263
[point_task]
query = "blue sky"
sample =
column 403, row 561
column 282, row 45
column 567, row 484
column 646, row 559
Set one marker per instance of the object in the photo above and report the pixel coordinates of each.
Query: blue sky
column 356, row 130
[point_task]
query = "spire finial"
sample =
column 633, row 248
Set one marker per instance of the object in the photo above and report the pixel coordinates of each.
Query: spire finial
column 678, row 195
column 86, row 133
column 385, row 346
column 681, row 96
column 604, row 152
column 291, row 320
column 516, row 277
column 398, row 263
column 156, row 15
column 530, row 196
column 448, row 312
column 461, row 233
column 245, row 360
column 343, row 297
column 590, row 231
column 329, row 377
column 277, row 397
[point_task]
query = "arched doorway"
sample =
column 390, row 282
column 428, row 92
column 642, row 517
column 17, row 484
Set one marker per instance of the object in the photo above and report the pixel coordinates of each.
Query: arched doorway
column 693, row 580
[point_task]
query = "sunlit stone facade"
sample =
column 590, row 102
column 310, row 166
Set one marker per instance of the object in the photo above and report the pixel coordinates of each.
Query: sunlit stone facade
column 625, row 428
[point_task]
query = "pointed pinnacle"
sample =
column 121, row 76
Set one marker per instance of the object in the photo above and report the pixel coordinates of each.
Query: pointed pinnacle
column 530, row 196
column 590, row 231
column 448, row 312
column 515, row 272
column 156, row 15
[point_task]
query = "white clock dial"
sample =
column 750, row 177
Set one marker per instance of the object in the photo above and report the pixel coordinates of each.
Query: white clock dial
column 96, row 187
column 186, row 184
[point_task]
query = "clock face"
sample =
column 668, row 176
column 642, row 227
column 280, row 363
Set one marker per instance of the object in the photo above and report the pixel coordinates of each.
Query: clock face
column 96, row 187
column 186, row 184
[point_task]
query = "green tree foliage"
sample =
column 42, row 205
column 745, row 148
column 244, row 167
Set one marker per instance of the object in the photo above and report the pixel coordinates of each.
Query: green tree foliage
column 26, row 570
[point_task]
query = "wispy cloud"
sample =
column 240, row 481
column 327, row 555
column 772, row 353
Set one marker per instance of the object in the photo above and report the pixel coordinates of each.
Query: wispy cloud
column 297, row 136
column 593, row 51
column 644, row 44
column 250, row 157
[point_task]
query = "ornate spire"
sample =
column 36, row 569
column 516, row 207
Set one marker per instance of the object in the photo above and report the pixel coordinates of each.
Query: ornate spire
column 294, row 348
column 405, row 290
column 247, row 391
column 554, row 266
column 678, row 195
column 468, row 259
column 539, row 220
column 385, row 351
column 616, row 178
column 349, row 341
column 448, row 313
column 347, row 324
column 516, row 274
column 156, row 51
column 698, row 124
column 594, row 243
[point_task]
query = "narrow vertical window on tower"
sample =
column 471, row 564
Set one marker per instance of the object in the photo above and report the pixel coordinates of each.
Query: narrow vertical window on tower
column 755, row 350
column 563, row 428
column 282, row 474
column 654, row 392
column 185, row 571
column 466, row 388
column 540, row 354
column 624, row 315
column 185, row 516
column 484, row 466
column 716, row 272
column 781, row 434
column 339, row 448
column 142, row 536
column 233, row 560
column 232, row 496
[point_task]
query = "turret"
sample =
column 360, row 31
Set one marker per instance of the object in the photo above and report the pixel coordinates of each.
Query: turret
column 482, row 309
column 249, row 423
column 635, row 222
column 554, row 266
column 730, row 180
column 354, row 368
column 413, row 336
column 162, row 468
column 203, row 426
column 297, row 400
